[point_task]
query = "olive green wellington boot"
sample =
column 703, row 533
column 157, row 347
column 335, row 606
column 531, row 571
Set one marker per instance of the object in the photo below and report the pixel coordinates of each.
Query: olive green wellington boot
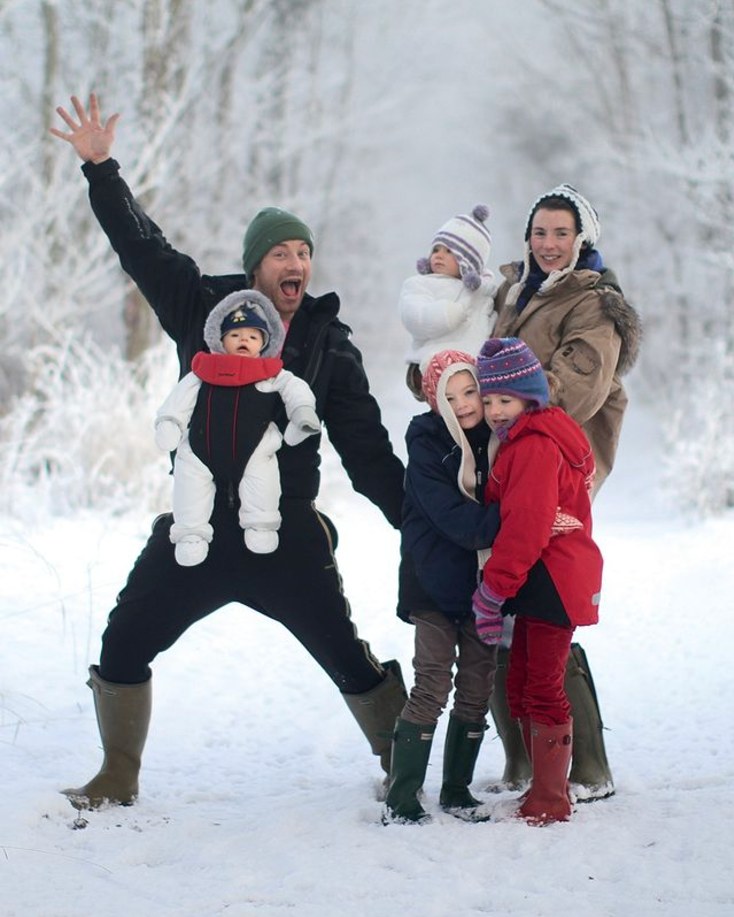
column 123, row 716
column 590, row 777
column 517, row 763
column 376, row 711
column 463, row 741
column 411, row 749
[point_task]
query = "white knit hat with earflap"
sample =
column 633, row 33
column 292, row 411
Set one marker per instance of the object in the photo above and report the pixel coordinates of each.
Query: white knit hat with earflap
column 469, row 241
column 588, row 230
column 587, row 219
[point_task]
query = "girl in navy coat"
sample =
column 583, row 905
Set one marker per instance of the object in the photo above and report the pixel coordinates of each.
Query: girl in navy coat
column 444, row 527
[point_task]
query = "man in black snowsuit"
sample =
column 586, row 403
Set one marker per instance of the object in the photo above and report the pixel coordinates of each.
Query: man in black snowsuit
column 298, row 584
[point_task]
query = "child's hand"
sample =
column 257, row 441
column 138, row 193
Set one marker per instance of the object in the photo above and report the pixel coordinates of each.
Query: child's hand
column 304, row 422
column 167, row 435
column 487, row 608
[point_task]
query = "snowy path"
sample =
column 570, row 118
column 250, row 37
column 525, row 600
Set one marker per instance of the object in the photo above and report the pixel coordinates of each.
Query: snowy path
column 258, row 790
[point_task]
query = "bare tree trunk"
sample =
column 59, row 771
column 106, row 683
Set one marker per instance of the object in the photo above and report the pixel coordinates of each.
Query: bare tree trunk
column 722, row 57
column 676, row 72
column 165, row 35
column 50, row 76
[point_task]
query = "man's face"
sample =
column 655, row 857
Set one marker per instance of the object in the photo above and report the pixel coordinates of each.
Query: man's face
column 283, row 275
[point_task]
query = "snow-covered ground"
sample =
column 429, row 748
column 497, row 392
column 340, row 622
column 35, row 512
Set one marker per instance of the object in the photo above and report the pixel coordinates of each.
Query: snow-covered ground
column 258, row 791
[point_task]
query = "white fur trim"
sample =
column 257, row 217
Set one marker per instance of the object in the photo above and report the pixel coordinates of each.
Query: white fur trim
column 254, row 300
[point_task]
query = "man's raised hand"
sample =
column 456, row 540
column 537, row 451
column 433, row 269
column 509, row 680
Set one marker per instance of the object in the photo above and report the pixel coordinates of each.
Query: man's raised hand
column 90, row 138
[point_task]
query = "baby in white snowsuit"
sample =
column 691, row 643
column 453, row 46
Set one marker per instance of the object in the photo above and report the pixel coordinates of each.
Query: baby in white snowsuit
column 449, row 303
column 219, row 418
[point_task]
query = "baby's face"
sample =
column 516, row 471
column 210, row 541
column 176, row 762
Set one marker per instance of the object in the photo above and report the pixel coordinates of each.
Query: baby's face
column 443, row 262
column 245, row 342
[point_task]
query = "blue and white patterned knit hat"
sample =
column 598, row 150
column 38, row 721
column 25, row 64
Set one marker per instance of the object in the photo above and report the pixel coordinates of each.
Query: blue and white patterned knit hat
column 508, row 366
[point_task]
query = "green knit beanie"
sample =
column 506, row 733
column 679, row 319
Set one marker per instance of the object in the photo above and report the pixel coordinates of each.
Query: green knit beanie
column 269, row 227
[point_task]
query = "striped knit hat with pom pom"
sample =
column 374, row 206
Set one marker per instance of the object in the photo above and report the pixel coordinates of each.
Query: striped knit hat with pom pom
column 507, row 366
column 469, row 241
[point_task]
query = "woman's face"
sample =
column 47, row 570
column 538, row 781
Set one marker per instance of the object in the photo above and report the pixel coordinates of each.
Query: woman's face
column 552, row 235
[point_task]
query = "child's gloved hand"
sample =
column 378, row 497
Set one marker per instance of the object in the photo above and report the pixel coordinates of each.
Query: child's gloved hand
column 167, row 434
column 487, row 608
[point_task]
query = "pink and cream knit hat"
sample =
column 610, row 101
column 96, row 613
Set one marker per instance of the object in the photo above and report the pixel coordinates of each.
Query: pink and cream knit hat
column 435, row 376
column 439, row 369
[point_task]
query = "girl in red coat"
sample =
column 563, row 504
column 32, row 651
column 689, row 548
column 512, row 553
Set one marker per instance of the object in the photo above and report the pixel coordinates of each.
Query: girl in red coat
column 545, row 568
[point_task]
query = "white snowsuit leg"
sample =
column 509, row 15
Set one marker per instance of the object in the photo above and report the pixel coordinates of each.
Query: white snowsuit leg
column 259, row 492
column 193, row 502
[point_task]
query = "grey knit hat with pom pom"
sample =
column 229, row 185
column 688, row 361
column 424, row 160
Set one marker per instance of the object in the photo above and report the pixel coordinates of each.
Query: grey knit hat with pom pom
column 469, row 241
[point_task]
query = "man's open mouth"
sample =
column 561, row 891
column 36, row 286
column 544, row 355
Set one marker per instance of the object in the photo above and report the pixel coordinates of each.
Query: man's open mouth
column 291, row 287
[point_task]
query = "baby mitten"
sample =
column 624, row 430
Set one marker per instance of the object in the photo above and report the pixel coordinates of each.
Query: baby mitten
column 304, row 422
column 167, row 434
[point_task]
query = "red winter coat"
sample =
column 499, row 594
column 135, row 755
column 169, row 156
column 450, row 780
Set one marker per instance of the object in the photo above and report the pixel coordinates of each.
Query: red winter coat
column 544, row 561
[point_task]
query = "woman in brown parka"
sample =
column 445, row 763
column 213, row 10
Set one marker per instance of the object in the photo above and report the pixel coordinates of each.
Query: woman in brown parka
column 567, row 306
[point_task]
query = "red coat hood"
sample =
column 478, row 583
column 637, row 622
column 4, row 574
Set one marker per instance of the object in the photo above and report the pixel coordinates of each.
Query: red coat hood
column 555, row 423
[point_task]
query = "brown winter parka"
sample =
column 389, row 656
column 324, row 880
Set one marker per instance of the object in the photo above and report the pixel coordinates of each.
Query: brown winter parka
column 586, row 336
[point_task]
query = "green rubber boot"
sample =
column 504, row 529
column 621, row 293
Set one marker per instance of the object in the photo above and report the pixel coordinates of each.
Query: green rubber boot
column 590, row 777
column 411, row 749
column 123, row 716
column 376, row 711
column 516, row 775
column 463, row 741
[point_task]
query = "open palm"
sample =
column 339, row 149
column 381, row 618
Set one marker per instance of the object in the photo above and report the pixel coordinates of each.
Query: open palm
column 91, row 139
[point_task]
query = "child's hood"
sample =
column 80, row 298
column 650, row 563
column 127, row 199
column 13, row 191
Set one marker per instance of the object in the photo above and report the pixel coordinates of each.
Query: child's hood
column 556, row 424
column 250, row 299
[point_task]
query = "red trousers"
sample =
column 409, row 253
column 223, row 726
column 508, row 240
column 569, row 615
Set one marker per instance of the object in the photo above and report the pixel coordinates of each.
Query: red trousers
column 536, row 672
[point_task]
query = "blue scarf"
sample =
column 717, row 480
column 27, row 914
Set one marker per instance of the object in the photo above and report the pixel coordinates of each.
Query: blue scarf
column 589, row 259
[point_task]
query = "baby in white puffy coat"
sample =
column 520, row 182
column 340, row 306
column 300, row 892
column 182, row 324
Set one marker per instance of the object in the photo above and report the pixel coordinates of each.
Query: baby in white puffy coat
column 245, row 335
column 449, row 303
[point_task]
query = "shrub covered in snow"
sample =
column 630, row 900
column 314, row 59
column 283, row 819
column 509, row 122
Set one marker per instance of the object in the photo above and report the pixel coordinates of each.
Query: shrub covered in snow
column 82, row 433
column 700, row 442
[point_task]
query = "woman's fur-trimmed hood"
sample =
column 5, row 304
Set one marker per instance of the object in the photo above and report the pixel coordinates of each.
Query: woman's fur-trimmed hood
column 245, row 299
column 628, row 324
column 616, row 307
